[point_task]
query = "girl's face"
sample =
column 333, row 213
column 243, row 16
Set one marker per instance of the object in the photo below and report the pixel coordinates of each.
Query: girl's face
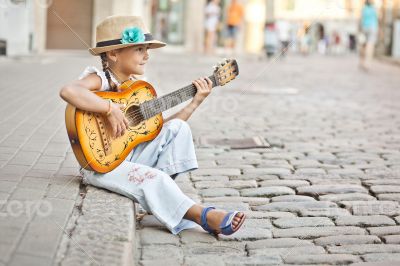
column 131, row 60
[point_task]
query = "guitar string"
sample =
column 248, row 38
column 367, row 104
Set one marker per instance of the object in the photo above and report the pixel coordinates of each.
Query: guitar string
column 159, row 102
column 156, row 104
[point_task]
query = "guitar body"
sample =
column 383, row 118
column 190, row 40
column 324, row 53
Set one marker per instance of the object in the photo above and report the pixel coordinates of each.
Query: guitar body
column 90, row 134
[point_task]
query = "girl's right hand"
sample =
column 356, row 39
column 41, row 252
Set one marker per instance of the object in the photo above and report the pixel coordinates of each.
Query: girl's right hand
column 117, row 120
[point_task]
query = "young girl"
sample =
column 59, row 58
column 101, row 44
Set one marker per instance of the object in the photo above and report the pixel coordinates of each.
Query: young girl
column 147, row 175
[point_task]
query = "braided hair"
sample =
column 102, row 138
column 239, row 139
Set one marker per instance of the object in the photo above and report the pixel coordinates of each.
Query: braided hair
column 106, row 70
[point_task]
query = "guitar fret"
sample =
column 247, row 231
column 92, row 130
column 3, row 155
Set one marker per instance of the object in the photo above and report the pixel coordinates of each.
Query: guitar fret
column 159, row 105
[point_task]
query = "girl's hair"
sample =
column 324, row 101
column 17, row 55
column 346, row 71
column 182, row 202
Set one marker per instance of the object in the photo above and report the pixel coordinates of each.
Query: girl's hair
column 106, row 70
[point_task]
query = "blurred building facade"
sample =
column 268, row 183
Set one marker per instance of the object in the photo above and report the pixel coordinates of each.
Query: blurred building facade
column 389, row 37
column 35, row 26
column 323, row 20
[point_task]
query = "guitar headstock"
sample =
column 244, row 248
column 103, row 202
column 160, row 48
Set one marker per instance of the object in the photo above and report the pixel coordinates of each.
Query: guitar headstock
column 226, row 71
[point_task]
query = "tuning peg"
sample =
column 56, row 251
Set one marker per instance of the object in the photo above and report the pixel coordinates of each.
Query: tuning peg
column 215, row 67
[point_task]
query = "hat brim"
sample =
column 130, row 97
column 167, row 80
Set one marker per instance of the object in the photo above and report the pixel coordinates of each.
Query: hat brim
column 98, row 50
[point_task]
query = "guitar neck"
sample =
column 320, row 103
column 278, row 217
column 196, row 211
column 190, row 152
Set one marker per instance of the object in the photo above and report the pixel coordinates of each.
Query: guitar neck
column 159, row 105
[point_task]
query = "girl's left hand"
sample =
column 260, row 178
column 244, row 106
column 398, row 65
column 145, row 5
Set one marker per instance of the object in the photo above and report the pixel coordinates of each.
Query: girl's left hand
column 203, row 86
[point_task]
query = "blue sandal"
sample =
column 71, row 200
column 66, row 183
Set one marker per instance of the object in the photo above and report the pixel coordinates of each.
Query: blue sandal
column 226, row 224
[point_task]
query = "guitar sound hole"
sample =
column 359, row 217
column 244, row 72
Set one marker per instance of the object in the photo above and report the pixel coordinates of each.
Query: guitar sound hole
column 134, row 115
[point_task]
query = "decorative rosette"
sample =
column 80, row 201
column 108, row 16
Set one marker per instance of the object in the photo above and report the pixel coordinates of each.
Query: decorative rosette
column 132, row 35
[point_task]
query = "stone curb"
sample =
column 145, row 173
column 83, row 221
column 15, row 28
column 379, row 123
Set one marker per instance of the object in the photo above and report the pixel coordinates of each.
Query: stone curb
column 101, row 231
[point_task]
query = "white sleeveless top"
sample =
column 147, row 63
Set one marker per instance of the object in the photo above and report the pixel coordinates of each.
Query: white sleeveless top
column 104, row 82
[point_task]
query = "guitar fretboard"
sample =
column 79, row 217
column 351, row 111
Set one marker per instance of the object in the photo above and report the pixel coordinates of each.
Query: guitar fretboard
column 165, row 102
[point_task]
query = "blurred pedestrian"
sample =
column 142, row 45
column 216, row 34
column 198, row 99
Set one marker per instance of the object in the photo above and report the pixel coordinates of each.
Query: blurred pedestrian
column 164, row 29
column 283, row 29
column 323, row 42
column 368, row 36
column 305, row 40
column 352, row 42
column 212, row 17
column 271, row 40
column 336, row 43
column 234, row 19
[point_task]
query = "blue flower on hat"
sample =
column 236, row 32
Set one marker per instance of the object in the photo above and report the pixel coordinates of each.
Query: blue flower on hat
column 132, row 35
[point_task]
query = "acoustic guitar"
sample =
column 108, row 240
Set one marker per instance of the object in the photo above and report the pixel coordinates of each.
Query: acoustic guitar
column 91, row 136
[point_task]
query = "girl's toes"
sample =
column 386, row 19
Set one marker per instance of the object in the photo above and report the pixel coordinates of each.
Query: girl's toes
column 240, row 215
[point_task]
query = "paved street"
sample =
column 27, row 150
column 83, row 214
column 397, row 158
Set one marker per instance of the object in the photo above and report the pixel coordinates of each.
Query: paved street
column 325, row 192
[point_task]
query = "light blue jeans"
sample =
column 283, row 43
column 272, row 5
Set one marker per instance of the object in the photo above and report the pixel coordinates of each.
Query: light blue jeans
column 144, row 176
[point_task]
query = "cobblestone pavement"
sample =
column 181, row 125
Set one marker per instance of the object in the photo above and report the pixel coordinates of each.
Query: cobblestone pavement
column 326, row 192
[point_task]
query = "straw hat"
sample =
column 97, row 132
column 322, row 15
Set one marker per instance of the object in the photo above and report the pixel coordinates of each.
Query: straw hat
column 117, row 32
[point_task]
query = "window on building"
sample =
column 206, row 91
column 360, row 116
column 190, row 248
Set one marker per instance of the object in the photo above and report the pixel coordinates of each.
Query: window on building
column 289, row 5
column 167, row 16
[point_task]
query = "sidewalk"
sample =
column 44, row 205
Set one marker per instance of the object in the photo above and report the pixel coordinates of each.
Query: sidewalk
column 325, row 192
column 47, row 216
column 390, row 60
